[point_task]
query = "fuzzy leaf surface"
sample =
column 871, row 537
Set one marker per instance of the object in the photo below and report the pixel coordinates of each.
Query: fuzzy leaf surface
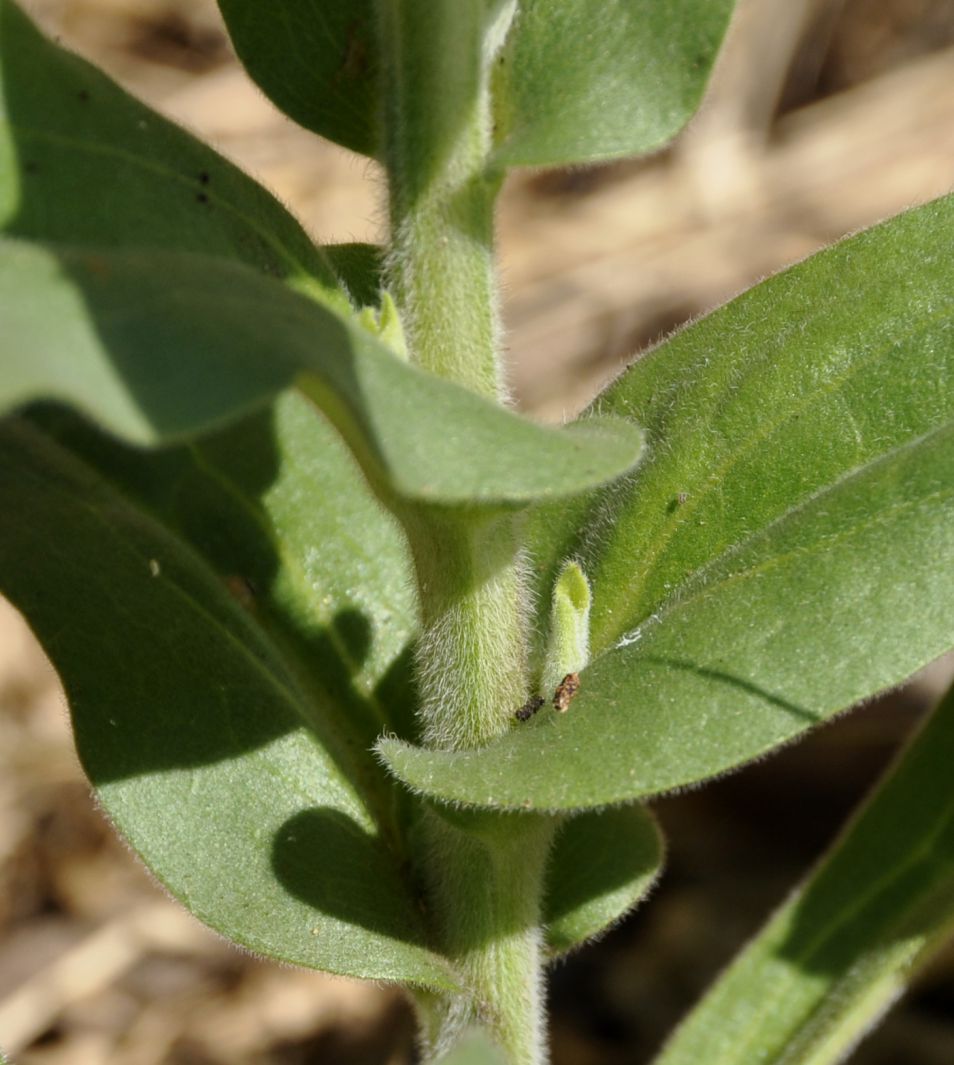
column 83, row 163
column 786, row 550
column 577, row 81
column 602, row 864
column 157, row 346
column 840, row 951
column 224, row 680
column 358, row 268
column 318, row 62
column 581, row 80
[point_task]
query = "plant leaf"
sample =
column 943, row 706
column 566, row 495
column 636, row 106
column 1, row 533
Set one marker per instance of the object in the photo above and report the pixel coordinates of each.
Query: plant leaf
column 83, row 163
column 224, row 722
column 73, row 135
column 603, row 863
column 802, row 382
column 839, row 952
column 318, row 62
column 358, row 268
column 577, row 81
column 241, row 498
column 786, row 550
column 581, row 80
column 157, row 346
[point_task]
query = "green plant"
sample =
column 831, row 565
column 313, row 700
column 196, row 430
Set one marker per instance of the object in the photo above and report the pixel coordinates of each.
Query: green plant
column 300, row 567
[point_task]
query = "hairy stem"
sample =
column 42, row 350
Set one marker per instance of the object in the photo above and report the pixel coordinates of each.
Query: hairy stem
column 486, row 886
column 441, row 262
column 484, row 873
column 472, row 658
column 472, row 651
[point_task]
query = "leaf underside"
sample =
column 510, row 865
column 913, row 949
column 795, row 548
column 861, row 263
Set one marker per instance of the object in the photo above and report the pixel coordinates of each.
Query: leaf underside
column 603, row 863
column 223, row 709
column 82, row 163
column 318, row 62
column 586, row 80
column 786, row 549
column 239, row 634
column 157, row 346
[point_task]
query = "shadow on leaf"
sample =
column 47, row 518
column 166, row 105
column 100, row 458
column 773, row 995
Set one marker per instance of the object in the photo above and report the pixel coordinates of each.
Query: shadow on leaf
column 330, row 862
column 721, row 677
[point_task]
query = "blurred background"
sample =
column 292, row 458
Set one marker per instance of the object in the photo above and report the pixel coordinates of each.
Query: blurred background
column 824, row 116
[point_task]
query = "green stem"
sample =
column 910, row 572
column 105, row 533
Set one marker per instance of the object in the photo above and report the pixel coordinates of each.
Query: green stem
column 472, row 651
column 486, row 892
column 438, row 123
column 471, row 656
column 484, row 873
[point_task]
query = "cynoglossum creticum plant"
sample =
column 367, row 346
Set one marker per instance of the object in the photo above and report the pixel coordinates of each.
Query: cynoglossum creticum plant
column 299, row 566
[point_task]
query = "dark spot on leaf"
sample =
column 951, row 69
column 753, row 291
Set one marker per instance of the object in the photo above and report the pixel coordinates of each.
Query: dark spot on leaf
column 242, row 590
column 355, row 63
column 204, row 178
column 201, row 197
column 83, row 96
column 98, row 266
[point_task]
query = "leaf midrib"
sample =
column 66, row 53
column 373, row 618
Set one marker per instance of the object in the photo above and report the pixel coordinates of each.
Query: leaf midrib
column 292, row 565
column 695, row 586
column 301, row 279
column 271, row 667
column 106, row 495
column 633, row 590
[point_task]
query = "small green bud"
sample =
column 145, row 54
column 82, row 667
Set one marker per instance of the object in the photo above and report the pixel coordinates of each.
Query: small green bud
column 385, row 324
column 390, row 328
column 568, row 642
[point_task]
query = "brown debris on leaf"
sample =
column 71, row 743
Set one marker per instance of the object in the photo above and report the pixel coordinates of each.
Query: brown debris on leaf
column 566, row 690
